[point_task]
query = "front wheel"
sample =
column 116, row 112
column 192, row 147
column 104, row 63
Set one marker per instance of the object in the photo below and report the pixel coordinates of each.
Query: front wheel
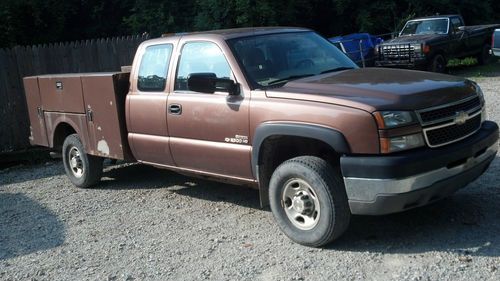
column 82, row 169
column 438, row 64
column 308, row 200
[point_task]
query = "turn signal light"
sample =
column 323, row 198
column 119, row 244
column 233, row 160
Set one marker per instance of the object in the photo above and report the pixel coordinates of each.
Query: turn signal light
column 426, row 49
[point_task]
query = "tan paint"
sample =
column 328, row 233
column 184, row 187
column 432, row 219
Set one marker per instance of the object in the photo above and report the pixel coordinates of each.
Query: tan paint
column 205, row 139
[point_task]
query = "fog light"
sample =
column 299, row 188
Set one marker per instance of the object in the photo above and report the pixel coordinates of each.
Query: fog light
column 394, row 144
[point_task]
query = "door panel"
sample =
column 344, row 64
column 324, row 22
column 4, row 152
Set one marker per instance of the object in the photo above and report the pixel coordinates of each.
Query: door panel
column 203, row 137
column 38, row 132
column 147, row 105
column 214, row 157
column 147, row 127
column 104, row 97
column 210, row 133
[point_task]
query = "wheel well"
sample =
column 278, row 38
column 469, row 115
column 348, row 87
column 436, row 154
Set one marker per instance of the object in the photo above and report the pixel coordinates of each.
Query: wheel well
column 61, row 132
column 440, row 52
column 277, row 149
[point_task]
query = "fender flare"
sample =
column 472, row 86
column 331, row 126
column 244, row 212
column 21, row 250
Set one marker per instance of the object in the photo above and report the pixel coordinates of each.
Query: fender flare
column 332, row 137
column 80, row 130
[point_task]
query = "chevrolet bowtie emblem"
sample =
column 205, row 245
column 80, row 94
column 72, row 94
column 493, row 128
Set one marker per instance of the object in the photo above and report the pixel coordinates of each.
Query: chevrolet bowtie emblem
column 461, row 117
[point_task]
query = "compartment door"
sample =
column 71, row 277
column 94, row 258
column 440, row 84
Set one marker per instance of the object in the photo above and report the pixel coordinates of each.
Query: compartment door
column 38, row 131
column 103, row 116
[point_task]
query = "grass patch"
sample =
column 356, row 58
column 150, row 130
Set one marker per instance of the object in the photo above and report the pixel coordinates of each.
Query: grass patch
column 462, row 62
column 469, row 67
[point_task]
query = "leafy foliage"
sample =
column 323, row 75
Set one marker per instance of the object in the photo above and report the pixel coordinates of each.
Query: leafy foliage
column 26, row 22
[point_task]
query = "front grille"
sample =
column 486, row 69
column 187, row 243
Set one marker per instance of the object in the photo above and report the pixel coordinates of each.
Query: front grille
column 447, row 134
column 436, row 115
column 397, row 52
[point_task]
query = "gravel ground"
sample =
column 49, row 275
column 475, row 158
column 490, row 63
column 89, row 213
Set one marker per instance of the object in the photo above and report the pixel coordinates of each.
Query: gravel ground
column 147, row 224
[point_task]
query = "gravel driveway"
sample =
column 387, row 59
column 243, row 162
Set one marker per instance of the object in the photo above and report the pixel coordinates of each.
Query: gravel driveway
column 147, row 224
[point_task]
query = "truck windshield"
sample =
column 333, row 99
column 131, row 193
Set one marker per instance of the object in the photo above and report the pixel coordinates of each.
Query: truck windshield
column 428, row 26
column 274, row 59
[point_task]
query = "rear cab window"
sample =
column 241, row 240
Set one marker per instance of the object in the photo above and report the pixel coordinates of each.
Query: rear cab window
column 154, row 68
column 456, row 23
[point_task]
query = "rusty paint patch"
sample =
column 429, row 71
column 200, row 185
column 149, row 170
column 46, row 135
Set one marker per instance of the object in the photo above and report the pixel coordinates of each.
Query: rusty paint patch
column 102, row 147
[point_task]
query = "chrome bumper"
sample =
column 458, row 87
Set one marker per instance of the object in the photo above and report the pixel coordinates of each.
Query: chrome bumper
column 367, row 189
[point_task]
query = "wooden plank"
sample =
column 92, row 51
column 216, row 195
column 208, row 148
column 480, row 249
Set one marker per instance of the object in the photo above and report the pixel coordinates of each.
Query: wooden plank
column 107, row 54
column 4, row 101
column 18, row 102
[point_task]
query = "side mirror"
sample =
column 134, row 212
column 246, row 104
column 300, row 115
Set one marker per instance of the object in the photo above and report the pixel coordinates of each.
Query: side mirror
column 201, row 82
column 461, row 28
column 207, row 82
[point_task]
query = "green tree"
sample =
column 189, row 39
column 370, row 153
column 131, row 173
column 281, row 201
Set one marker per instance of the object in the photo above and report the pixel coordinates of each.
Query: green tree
column 158, row 17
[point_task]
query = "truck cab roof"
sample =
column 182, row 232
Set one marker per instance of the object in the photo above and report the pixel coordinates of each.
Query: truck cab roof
column 436, row 17
column 237, row 32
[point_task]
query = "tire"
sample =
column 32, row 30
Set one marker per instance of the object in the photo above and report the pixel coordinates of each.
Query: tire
column 83, row 170
column 438, row 64
column 484, row 57
column 309, row 180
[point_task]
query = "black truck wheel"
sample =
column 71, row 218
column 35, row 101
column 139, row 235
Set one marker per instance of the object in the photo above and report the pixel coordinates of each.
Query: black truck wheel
column 83, row 170
column 308, row 200
column 484, row 57
column 438, row 64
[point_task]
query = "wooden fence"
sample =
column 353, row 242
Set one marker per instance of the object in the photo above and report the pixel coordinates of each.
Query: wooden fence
column 82, row 56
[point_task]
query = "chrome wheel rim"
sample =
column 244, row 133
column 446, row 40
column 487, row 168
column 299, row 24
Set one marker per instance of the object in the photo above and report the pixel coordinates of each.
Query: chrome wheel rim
column 300, row 203
column 75, row 162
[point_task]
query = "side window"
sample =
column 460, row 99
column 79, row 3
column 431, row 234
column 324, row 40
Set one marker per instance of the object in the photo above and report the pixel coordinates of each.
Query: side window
column 201, row 57
column 154, row 68
column 456, row 23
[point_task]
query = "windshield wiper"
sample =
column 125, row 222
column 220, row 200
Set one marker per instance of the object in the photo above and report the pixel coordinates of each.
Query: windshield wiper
column 286, row 79
column 337, row 69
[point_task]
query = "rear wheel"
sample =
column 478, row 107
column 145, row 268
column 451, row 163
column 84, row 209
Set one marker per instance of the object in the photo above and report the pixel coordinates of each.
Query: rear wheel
column 83, row 170
column 484, row 57
column 308, row 200
column 438, row 64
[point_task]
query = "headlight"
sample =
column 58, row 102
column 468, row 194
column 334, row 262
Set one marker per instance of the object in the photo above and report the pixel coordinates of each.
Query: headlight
column 480, row 94
column 393, row 119
column 417, row 48
column 394, row 144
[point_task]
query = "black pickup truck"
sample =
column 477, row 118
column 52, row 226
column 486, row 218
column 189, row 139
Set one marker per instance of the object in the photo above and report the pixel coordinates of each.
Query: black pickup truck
column 428, row 43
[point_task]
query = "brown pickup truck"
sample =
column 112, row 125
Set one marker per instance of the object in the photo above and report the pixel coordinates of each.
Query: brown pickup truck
column 278, row 109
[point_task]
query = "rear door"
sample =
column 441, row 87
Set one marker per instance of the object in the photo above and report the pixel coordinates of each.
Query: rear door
column 147, row 105
column 460, row 39
column 38, row 131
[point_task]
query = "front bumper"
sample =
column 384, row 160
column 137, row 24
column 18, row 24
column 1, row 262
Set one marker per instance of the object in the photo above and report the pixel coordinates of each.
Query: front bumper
column 414, row 63
column 378, row 185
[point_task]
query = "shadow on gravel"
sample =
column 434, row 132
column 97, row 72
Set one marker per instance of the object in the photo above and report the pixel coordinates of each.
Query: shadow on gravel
column 458, row 224
column 26, row 226
column 467, row 223
column 22, row 173
column 137, row 176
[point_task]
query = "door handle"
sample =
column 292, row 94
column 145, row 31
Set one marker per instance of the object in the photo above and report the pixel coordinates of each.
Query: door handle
column 175, row 109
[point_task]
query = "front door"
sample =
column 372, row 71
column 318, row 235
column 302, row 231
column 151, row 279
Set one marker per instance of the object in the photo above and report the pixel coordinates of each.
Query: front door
column 208, row 132
column 459, row 43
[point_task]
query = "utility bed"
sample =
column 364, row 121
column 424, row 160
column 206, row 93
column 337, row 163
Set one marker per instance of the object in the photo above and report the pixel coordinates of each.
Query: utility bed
column 93, row 103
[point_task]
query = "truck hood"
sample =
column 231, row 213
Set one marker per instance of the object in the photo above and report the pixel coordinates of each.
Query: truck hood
column 373, row 89
column 416, row 39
